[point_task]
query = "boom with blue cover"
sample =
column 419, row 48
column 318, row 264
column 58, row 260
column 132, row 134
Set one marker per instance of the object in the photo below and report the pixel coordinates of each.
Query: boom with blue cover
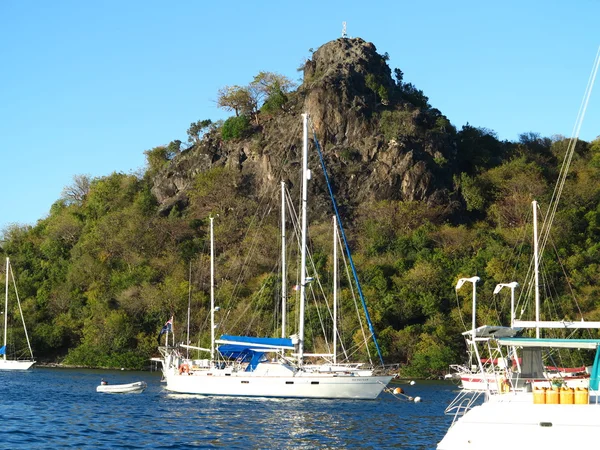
column 251, row 349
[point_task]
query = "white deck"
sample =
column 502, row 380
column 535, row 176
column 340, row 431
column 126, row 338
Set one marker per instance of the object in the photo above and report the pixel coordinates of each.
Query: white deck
column 522, row 424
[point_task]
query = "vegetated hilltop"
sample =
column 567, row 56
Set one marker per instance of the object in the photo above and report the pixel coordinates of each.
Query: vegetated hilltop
column 423, row 204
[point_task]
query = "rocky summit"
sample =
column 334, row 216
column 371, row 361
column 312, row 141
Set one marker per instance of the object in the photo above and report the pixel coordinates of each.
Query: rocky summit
column 379, row 136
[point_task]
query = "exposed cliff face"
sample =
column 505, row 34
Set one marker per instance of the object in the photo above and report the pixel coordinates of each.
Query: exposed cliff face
column 337, row 98
column 346, row 113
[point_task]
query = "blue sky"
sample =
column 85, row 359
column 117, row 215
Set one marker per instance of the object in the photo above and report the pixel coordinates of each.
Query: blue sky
column 87, row 86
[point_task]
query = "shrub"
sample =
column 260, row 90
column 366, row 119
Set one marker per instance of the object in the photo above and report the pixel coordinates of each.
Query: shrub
column 274, row 102
column 236, row 128
column 397, row 123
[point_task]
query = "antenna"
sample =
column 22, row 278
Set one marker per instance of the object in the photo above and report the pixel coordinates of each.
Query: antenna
column 344, row 35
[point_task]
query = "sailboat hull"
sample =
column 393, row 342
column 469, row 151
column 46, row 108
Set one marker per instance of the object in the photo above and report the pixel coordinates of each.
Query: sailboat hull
column 302, row 385
column 15, row 364
column 520, row 420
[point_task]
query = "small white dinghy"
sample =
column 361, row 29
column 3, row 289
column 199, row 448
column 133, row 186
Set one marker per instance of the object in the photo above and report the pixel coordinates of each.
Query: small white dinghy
column 130, row 388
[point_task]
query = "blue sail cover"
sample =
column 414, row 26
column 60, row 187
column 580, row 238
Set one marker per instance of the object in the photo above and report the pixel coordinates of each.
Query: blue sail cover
column 3, row 350
column 251, row 349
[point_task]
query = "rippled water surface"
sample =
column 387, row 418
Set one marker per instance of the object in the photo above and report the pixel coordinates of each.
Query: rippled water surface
column 59, row 408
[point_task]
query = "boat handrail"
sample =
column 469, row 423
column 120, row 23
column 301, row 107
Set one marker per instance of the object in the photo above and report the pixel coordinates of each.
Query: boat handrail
column 462, row 403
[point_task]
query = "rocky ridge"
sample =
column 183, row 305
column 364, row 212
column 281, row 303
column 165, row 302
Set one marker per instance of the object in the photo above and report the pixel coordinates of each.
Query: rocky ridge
column 352, row 122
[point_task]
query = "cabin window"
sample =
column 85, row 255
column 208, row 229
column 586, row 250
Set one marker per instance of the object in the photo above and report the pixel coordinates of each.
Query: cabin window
column 314, row 382
column 245, row 382
column 289, row 382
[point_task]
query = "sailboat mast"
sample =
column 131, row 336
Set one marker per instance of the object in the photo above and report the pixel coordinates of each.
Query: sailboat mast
column 6, row 308
column 212, row 293
column 536, row 271
column 305, row 178
column 283, row 263
column 335, row 270
column 189, row 311
column 474, row 317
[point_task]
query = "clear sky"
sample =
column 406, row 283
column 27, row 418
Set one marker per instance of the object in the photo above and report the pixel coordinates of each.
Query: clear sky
column 86, row 86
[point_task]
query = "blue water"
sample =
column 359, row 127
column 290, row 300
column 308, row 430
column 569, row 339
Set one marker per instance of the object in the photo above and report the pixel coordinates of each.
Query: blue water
column 60, row 408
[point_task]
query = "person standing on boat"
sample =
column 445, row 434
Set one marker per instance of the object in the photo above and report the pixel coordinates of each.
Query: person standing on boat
column 103, row 382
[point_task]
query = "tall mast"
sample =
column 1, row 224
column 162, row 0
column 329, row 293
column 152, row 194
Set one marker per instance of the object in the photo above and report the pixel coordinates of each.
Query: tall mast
column 335, row 270
column 474, row 318
column 305, row 178
column 6, row 308
column 212, row 293
column 187, row 351
column 536, row 271
column 283, row 266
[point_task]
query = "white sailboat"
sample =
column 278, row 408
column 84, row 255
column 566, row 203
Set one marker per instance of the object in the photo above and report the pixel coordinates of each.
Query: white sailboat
column 13, row 363
column 285, row 374
column 501, row 368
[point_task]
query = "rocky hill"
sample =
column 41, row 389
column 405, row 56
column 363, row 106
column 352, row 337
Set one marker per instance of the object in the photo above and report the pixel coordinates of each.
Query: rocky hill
column 378, row 141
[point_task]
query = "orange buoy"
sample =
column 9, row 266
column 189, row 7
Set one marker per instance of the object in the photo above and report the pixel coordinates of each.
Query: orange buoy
column 398, row 391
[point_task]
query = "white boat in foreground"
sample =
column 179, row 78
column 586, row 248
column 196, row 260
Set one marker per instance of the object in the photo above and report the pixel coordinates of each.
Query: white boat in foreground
column 131, row 388
column 538, row 418
column 532, row 417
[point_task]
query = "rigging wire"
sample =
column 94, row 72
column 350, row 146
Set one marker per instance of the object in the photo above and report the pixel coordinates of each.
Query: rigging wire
column 550, row 215
column 356, row 308
column 335, row 208
column 548, row 220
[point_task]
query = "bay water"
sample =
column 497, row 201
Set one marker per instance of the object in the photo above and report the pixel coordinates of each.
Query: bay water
column 47, row 408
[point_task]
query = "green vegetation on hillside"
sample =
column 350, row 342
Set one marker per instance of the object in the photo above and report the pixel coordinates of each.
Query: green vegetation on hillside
column 102, row 273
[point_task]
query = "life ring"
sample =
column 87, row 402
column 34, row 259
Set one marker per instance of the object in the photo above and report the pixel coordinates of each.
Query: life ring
column 184, row 368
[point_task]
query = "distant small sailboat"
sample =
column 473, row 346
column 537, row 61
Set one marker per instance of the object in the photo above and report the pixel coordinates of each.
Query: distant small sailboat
column 13, row 363
column 130, row 388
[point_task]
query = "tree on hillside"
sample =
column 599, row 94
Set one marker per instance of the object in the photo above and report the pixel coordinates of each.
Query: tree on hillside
column 237, row 99
column 76, row 192
column 197, row 130
column 159, row 156
column 478, row 148
column 271, row 89
column 409, row 92
column 267, row 89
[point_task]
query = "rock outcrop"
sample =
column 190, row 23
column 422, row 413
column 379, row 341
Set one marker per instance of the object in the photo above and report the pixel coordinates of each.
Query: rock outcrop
column 376, row 143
